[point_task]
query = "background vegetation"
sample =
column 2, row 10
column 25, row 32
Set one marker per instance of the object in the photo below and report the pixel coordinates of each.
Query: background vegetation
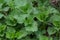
column 29, row 20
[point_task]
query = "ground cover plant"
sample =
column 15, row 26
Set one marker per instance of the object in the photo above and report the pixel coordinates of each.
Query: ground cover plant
column 29, row 20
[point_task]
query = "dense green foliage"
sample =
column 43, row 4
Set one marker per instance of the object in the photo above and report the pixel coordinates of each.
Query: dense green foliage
column 29, row 20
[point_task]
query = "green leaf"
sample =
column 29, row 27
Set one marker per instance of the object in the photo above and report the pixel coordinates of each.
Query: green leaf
column 2, row 27
column 25, row 7
column 5, row 9
column 10, row 33
column 41, row 37
column 53, row 10
column 10, row 3
column 20, row 3
column 18, row 15
column 55, row 19
column 10, row 21
column 51, row 30
column 32, row 27
column 35, row 11
column 22, row 33
column 1, row 15
column 28, row 20
column 21, row 18
column 42, row 15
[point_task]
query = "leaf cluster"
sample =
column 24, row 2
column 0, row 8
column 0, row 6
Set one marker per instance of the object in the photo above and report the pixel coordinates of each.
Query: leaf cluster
column 28, row 20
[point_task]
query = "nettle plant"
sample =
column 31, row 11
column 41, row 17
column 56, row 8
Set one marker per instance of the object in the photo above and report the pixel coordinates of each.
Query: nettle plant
column 29, row 20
